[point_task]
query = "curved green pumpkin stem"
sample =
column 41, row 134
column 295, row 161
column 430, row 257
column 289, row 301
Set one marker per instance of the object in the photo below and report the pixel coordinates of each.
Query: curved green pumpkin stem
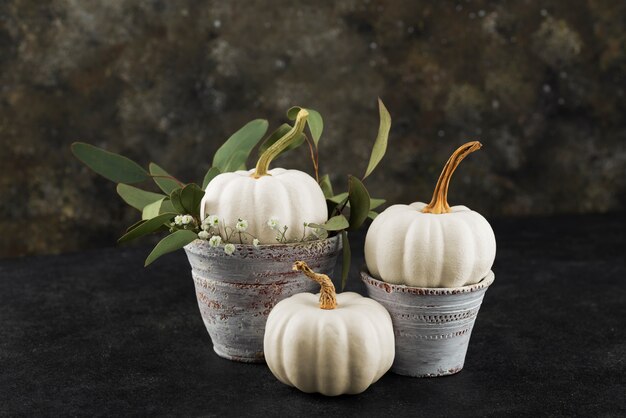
column 263, row 165
column 439, row 202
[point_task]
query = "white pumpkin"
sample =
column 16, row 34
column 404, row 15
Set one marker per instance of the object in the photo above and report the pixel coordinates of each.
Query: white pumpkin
column 431, row 245
column 290, row 196
column 327, row 343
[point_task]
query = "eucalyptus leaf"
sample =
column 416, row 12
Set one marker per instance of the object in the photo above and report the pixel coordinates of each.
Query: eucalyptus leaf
column 315, row 122
column 166, row 184
column 166, row 206
column 359, row 200
column 171, row 243
column 152, row 210
column 190, row 199
column 210, row 175
column 237, row 161
column 176, row 202
column 109, row 165
column 372, row 215
column 338, row 198
column 380, row 145
column 374, row 203
column 135, row 225
column 326, row 186
column 147, row 227
column 135, row 197
column 336, row 223
column 279, row 133
column 346, row 257
column 241, row 143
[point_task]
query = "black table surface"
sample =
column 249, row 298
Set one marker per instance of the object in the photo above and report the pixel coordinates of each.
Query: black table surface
column 96, row 334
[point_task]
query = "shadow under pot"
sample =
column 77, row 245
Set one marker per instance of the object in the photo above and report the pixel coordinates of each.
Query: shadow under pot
column 237, row 292
column 432, row 326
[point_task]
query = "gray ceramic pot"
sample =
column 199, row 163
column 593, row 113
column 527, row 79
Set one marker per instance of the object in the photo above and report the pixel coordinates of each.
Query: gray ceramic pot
column 432, row 326
column 237, row 292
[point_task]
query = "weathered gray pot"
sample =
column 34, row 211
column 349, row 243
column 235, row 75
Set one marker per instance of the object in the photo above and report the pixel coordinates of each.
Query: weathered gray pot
column 432, row 326
column 237, row 292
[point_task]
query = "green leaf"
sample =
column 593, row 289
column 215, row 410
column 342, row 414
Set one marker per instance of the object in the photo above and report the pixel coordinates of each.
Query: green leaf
column 338, row 198
column 336, row 223
column 326, row 186
column 165, row 184
column 166, row 206
column 346, row 257
column 374, row 203
column 160, row 206
column 152, row 210
column 314, row 121
column 359, row 200
column 135, row 197
column 210, row 175
column 135, row 225
column 147, row 227
column 109, row 165
column 380, row 145
column 190, row 198
column 372, row 215
column 176, row 202
column 279, row 133
column 241, row 143
column 171, row 243
column 237, row 161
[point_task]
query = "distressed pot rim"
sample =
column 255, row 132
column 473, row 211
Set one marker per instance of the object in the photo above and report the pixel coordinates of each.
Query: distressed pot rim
column 434, row 291
column 205, row 243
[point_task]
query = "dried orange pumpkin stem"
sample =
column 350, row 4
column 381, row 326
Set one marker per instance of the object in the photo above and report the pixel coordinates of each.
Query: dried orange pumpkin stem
column 328, row 296
column 439, row 202
column 263, row 164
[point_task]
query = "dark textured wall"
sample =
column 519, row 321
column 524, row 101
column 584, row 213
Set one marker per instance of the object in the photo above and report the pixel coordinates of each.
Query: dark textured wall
column 541, row 84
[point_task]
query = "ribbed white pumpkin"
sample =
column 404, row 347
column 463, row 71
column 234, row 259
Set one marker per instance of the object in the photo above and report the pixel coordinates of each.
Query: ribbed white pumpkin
column 332, row 351
column 291, row 196
column 431, row 245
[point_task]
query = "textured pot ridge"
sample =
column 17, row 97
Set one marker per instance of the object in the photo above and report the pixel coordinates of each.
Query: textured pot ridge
column 236, row 292
column 432, row 326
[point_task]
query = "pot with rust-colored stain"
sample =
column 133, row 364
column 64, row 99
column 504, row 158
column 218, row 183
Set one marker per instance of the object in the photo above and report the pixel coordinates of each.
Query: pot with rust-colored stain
column 432, row 326
column 237, row 292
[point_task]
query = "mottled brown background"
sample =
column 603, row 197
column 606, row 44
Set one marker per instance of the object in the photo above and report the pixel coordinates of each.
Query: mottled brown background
column 541, row 84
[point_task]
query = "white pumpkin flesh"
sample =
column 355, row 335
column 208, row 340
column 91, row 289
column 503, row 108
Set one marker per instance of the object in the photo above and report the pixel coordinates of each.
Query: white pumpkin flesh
column 331, row 345
column 290, row 196
column 431, row 245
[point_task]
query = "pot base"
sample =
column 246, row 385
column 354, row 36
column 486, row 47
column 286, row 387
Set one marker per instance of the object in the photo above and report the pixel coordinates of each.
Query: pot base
column 432, row 326
column 259, row 358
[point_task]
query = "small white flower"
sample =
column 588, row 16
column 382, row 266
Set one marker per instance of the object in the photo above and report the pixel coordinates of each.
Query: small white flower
column 241, row 225
column 205, row 227
column 215, row 241
column 186, row 219
column 273, row 223
column 203, row 235
column 178, row 219
column 255, row 242
column 229, row 248
column 210, row 221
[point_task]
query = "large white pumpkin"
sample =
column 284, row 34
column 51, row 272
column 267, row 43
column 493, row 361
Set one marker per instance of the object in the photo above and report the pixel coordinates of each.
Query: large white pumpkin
column 290, row 196
column 431, row 245
column 328, row 344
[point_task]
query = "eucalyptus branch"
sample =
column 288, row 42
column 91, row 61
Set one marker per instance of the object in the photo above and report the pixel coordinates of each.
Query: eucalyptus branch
column 180, row 183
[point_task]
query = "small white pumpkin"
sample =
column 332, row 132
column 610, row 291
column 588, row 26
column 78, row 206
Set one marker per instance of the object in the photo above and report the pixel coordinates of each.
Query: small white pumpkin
column 431, row 245
column 328, row 343
column 290, row 196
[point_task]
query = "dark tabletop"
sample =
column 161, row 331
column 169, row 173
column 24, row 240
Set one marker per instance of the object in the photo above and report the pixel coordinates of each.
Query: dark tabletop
column 94, row 333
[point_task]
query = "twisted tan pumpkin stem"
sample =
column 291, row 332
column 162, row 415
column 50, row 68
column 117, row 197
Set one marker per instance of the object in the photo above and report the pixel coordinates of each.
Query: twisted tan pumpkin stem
column 439, row 202
column 328, row 296
column 263, row 164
